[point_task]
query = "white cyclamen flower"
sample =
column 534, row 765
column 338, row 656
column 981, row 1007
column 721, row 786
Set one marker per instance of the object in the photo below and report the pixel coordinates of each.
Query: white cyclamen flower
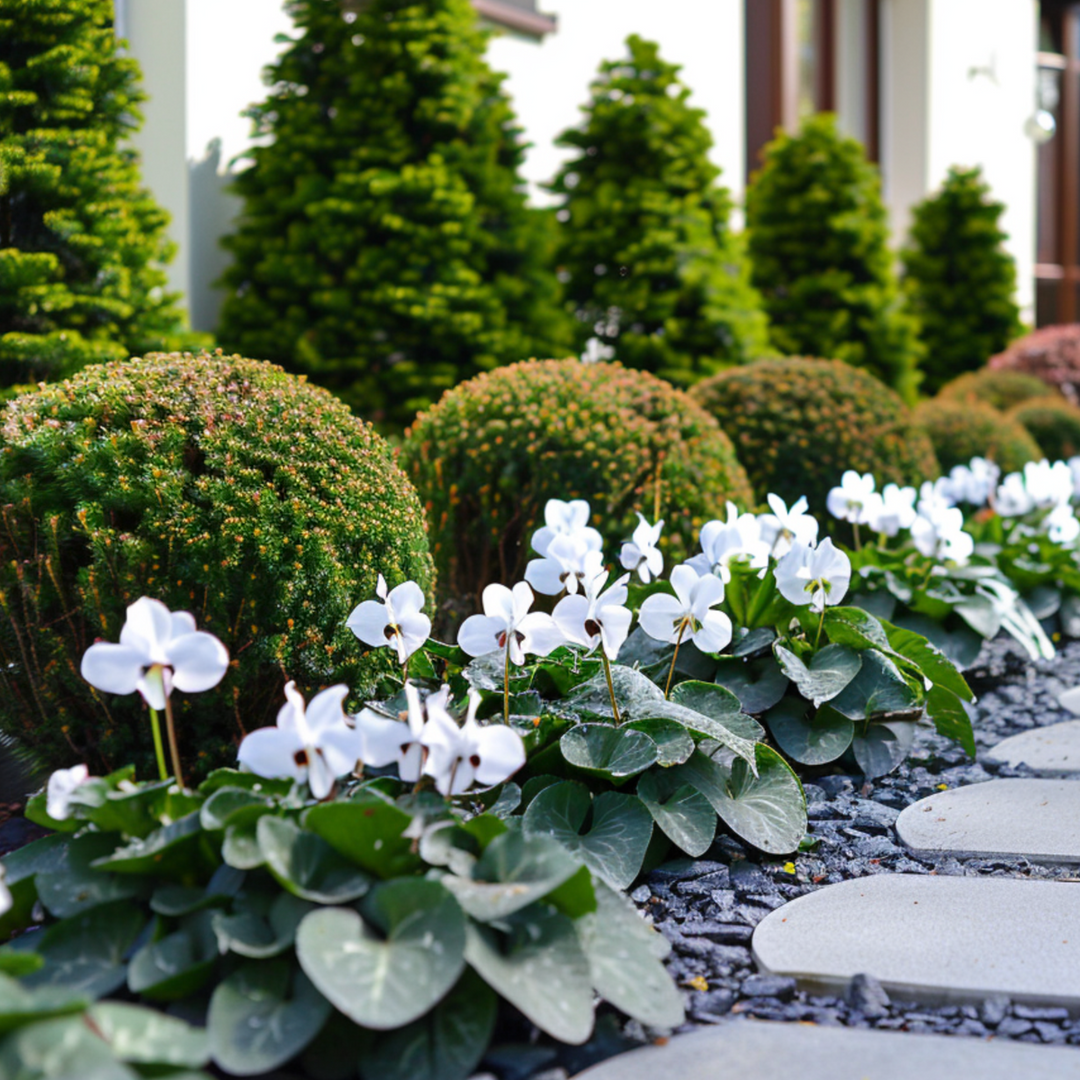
column 973, row 483
column 567, row 561
column 1013, row 498
column 159, row 650
column 892, row 510
column 784, row 526
column 313, row 742
column 815, row 576
column 687, row 616
column 458, row 757
column 738, row 539
column 400, row 742
column 1061, row 525
column 597, row 618
column 61, row 786
column 1074, row 468
column 940, row 534
column 565, row 519
column 508, row 626
column 394, row 619
column 1048, row 485
column 640, row 552
column 848, row 501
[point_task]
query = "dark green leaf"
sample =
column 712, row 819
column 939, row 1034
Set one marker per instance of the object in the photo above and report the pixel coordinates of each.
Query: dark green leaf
column 258, row 927
column 170, row 851
column 19, row 1005
column 856, row 628
column 877, row 688
column 307, row 865
column 178, row 964
column 758, row 684
column 149, row 1037
column 882, row 747
column 232, row 805
column 684, row 815
column 673, row 742
column 368, row 831
column 809, row 739
column 608, row 751
column 950, row 718
column 74, row 886
column 829, row 671
column 931, row 661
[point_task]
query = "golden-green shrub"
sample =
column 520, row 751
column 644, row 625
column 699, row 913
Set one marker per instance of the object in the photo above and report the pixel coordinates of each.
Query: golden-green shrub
column 1053, row 423
column 218, row 485
column 961, row 430
column 797, row 424
column 487, row 457
column 1001, row 389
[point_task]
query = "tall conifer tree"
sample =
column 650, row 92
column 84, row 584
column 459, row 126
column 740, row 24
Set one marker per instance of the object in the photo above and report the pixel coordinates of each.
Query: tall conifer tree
column 819, row 248
column 959, row 279
column 82, row 243
column 651, row 266
column 385, row 247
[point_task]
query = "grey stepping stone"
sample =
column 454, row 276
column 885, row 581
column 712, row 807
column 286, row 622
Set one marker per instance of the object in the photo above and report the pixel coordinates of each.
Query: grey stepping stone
column 764, row 1050
column 932, row 939
column 1053, row 750
column 1038, row 819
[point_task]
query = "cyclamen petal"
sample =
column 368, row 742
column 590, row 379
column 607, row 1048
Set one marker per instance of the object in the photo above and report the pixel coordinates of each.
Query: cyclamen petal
column 199, row 661
column 116, row 669
column 271, row 752
column 61, row 787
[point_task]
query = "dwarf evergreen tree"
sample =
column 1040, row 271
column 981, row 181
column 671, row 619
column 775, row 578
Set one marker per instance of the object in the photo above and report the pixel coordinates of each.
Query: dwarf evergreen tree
column 385, row 247
column 81, row 242
column 650, row 265
column 818, row 242
column 959, row 279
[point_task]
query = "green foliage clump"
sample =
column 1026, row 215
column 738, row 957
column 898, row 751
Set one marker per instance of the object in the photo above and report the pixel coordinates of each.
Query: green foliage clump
column 1002, row 390
column 82, row 242
column 959, row 279
column 819, row 249
column 961, row 430
column 652, row 267
column 797, row 424
column 489, row 455
column 1051, row 353
column 385, row 247
column 1053, row 423
column 218, row 485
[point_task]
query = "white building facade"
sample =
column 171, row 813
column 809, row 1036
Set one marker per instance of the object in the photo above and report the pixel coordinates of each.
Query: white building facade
column 926, row 84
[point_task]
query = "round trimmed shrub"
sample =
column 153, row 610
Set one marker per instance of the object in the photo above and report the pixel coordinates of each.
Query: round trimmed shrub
column 220, row 486
column 798, row 423
column 1053, row 423
column 487, row 457
column 1001, row 389
column 961, row 430
column 1051, row 354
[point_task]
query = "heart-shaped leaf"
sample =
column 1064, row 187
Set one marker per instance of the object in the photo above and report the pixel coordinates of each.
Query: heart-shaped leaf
column 736, row 731
column 170, row 852
column 634, row 691
column 829, row 671
column 623, row 962
column 307, row 865
column 260, row 927
column 20, row 1006
column 176, row 900
column 368, row 831
column 74, row 886
column 877, row 688
column 768, row 810
column 684, row 815
column 810, row 740
column 178, row 964
column 513, row 872
column 674, row 743
column 614, row 845
column 263, row 1015
column 608, row 751
column 149, row 1037
column 229, row 805
column 384, row 983
column 758, row 684
column 538, row 965
column 883, row 746
column 447, row 1044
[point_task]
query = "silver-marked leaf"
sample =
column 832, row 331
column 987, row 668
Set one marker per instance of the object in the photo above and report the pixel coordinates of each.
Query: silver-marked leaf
column 684, row 815
column 623, row 962
column 74, row 886
column 149, row 1036
column 608, row 751
column 877, row 688
column 634, row 691
column 169, row 851
column 673, row 742
column 386, row 982
column 263, row 1015
column 539, row 967
column 178, row 964
column 614, row 843
column 307, row 865
column 829, row 671
column 768, row 810
column 809, row 739
column 63, row 1048
column 513, row 872
column 447, row 1044
column 736, row 731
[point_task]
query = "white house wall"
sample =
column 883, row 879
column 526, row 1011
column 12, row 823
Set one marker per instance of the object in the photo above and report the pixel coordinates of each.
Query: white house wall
column 958, row 86
column 549, row 82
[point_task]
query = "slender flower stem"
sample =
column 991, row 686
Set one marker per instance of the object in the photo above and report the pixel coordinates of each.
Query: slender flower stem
column 855, row 530
column 174, row 749
column 674, row 657
column 610, row 685
column 820, row 627
column 159, row 749
column 506, row 683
